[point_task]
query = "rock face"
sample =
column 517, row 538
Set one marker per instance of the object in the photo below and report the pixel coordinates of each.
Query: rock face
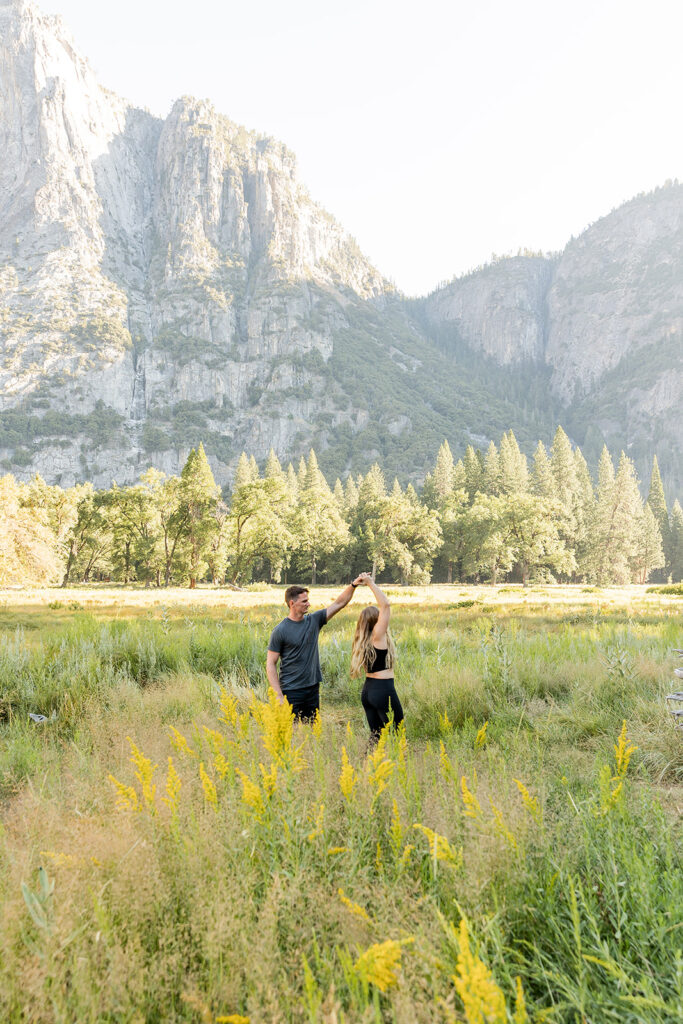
column 499, row 310
column 169, row 281
column 145, row 264
column 605, row 320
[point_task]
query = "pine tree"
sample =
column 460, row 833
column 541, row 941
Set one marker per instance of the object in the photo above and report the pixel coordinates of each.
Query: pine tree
column 648, row 553
column 273, row 468
column 657, row 502
column 616, row 521
column 473, row 464
column 491, row 475
column 513, row 468
column 317, row 524
column 198, row 498
column 243, row 472
column 676, row 542
column 542, row 479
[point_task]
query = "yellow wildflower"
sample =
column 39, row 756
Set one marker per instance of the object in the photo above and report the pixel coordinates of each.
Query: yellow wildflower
column 269, row 779
column 317, row 727
column 445, row 724
column 251, row 793
column 379, row 964
column 319, row 821
column 520, row 1016
column 480, row 739
column 334, row 850
column 472, row 805
column 378, row 858
column 501, row 827
column 173, row 785
column 440, row 848
column 232, row 1018
column 61, row 859
column 353, row 907
column 405, row 856
column 216, row 740
column 144, row 774
column 444, row 760
column 126, row 797
column 222, row 765
column 483, row 1001
column 349, row 732
column 529, row 801
column 348, row 777
column 380, row 769
column 180, row 743
column 622, row 753
column 228, row 705
column 209, row 787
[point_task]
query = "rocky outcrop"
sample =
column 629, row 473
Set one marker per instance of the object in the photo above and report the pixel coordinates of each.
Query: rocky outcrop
column 499, row 310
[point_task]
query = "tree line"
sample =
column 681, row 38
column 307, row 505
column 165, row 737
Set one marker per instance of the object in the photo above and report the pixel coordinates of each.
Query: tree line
column 490, row 516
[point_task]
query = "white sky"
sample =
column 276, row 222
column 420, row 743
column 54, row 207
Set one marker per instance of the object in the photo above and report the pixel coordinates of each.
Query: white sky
column 437, row 132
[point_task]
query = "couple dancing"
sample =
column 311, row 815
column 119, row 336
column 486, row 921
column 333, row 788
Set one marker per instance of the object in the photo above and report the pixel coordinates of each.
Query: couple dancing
column 294, row 644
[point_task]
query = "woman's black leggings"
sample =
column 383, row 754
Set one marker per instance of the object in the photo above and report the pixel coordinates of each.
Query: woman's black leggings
column 378, row 696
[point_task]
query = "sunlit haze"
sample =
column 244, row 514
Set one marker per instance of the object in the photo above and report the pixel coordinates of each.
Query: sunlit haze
column 437, row 133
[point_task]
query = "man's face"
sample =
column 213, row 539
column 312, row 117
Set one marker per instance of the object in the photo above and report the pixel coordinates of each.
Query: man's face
column 299, row 604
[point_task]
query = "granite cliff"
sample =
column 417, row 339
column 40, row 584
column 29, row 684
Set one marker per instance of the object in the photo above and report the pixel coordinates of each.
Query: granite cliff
column 165, row 281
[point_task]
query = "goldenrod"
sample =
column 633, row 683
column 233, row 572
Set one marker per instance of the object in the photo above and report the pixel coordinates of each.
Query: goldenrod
column 269, row 779
column 501, row 828
column 529, row 801
column 483, row 1001
column 472, row 805
column 622, row 753
column 216, row 740
column 439, row 846
column 355, row 908
column 251, row 794
column 379, row 964
column 173, row 785
column 221, row 764
column 228, row 706
column 144, row 774
column 209, row 787
column 319, row 819
column 348, row 777
column 444, row 761
column 480, row 738
column 180, row 743
column 126, row 797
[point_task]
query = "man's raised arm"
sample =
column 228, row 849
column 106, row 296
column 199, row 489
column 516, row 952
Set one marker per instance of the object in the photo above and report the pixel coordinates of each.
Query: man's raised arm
column 343, row 599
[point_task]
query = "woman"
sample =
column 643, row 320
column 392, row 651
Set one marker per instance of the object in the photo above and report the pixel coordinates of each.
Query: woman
column 373, row 653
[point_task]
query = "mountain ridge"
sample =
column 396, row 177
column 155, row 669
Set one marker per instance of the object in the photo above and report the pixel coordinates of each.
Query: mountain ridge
column 170, row 280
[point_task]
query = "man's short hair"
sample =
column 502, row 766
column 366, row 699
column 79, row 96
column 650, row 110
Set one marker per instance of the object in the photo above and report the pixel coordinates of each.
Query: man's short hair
column 291, row 593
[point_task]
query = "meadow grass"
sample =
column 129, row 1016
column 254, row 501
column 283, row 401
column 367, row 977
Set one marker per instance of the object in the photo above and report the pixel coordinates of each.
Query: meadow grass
column 274, row 872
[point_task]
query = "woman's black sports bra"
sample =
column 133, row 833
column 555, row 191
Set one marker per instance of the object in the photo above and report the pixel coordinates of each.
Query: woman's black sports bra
column 379, row 662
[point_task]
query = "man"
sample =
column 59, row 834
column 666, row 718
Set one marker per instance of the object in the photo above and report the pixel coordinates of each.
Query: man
column 294, row 643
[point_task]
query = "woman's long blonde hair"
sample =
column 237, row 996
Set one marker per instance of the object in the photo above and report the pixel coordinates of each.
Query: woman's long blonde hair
column 362, row 649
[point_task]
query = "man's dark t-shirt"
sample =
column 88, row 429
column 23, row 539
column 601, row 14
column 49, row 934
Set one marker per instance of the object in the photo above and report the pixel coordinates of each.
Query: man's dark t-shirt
column 297, row 645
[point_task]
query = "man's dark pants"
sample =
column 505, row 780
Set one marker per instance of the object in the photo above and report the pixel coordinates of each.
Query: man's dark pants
column 305, row 705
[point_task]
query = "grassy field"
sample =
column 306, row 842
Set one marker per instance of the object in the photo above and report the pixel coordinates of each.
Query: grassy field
column 172, row 848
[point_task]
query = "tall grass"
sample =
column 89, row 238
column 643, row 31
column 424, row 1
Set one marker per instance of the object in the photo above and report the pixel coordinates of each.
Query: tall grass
column 286, row 880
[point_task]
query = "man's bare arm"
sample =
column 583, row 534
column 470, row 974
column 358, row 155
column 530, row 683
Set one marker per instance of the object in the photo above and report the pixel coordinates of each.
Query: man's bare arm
column 343, row 599
column 272, row 659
